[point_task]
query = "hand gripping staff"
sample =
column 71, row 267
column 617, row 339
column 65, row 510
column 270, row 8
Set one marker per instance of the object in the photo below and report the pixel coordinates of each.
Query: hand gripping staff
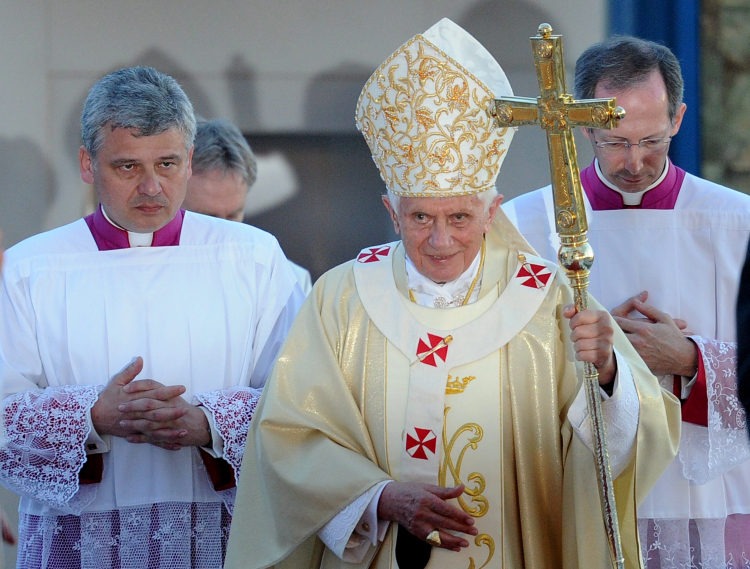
column 557, row 113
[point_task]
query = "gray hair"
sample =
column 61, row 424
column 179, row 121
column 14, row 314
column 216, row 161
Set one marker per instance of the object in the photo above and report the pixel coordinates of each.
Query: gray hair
column 219, row 145
column 486, row 196
column 138, row 98
column 622, row 62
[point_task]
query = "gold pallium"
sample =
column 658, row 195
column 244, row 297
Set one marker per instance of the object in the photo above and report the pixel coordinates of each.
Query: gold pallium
column 475, row 482
column 458, row 386
column 424, row 117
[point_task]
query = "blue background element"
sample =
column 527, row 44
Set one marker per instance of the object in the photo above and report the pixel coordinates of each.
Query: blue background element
column 674, row 23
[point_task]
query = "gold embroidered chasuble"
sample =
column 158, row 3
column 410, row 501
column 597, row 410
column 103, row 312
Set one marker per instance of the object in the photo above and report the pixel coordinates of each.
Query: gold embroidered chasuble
column 331, row 424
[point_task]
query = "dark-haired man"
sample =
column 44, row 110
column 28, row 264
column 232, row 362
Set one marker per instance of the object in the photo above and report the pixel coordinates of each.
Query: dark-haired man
column 669, row 249
column 127, row 472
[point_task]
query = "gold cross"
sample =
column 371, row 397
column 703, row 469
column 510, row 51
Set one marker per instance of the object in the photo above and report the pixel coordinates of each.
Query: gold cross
column 557, row 113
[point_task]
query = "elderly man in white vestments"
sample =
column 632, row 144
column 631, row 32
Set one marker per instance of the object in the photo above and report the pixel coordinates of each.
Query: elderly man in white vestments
column 669, row 250
column 433, row 382
column 135, row 468
column 224, row 171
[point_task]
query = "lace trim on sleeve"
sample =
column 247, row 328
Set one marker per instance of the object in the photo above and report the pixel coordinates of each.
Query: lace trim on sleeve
column 706, row 453
column 337, row 533
column 232, row 410
column 44, row 446
column 621, row 415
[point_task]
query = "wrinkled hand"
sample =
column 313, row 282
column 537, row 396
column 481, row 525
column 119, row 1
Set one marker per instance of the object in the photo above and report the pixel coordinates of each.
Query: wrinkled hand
column 105, row 414
column 422, row 508
column 167, row 422
column 593, row 339
column 658, row 338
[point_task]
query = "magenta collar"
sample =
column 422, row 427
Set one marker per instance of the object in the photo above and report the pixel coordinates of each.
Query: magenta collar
column 663, row 196
column 108, row 237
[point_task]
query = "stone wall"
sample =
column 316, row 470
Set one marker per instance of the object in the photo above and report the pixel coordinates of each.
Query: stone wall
column 725, row 108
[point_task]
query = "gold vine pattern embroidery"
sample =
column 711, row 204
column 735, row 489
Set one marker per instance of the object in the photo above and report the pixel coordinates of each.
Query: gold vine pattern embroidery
column 426, row 122
column 475, row 482
column 457, row 386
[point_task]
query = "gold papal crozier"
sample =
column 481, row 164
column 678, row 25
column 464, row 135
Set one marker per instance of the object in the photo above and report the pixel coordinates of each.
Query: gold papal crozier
column 557, row 113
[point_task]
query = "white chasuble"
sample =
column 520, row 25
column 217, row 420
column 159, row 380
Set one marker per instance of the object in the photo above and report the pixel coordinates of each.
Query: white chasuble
column 339, row 416
column 434, row 342
column 448, row 429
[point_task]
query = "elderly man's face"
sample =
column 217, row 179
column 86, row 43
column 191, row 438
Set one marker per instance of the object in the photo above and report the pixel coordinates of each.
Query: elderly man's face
column 442, row 236
column 140, row 181
column 217, row 194
column 646, row 117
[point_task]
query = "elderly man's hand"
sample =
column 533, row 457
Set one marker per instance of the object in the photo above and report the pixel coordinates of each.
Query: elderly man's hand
column 105, row 414
column 657, row 337
column 593, row 339
column 422, row 508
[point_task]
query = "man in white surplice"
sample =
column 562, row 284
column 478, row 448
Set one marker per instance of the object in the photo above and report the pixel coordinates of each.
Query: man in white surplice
column 669, row 250
column 432, row 382
column 138, row 470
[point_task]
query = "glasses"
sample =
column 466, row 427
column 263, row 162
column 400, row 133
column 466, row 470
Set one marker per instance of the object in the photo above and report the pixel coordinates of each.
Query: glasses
column 650, row 145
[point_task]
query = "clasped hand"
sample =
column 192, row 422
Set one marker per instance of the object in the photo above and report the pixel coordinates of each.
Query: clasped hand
column 146, row 411
column 592, row 334
column 657, row 337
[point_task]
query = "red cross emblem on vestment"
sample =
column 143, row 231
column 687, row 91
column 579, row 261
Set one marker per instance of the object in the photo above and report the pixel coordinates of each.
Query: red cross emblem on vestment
column 536, row 275
column 373, row 254
column 435, row 345
column 424, row 439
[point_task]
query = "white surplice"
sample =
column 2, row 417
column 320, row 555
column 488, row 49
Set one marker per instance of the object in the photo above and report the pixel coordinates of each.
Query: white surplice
column 689, row 260
column 209, row 314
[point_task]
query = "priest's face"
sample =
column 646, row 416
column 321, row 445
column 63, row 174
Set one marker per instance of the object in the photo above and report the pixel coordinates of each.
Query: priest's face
column 442, row 236
column 217, row 194
column 139, row 180
column 646, row 107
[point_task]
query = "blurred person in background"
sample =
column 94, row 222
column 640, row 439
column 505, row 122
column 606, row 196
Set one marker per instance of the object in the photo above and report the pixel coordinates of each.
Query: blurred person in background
column 224, row 171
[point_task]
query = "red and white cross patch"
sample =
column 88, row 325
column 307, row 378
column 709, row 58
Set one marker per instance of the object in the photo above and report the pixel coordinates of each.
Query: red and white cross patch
column 423, row 440
column 436, row 346
column 373, row 254
column 536, row 275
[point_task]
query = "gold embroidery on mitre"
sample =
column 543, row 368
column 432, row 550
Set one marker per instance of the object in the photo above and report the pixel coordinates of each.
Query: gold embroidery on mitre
column 457, row 386
column 426, row 121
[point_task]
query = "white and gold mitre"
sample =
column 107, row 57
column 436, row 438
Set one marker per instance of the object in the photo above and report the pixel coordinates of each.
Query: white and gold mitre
column 424, row 114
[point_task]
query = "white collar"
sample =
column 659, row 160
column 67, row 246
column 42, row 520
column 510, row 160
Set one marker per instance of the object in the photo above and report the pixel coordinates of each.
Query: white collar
column 630, row 198
column 135, row 239
column 433, row 295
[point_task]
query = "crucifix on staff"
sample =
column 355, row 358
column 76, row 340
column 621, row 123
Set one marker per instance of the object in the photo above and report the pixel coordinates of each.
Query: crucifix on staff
column 557, row 113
